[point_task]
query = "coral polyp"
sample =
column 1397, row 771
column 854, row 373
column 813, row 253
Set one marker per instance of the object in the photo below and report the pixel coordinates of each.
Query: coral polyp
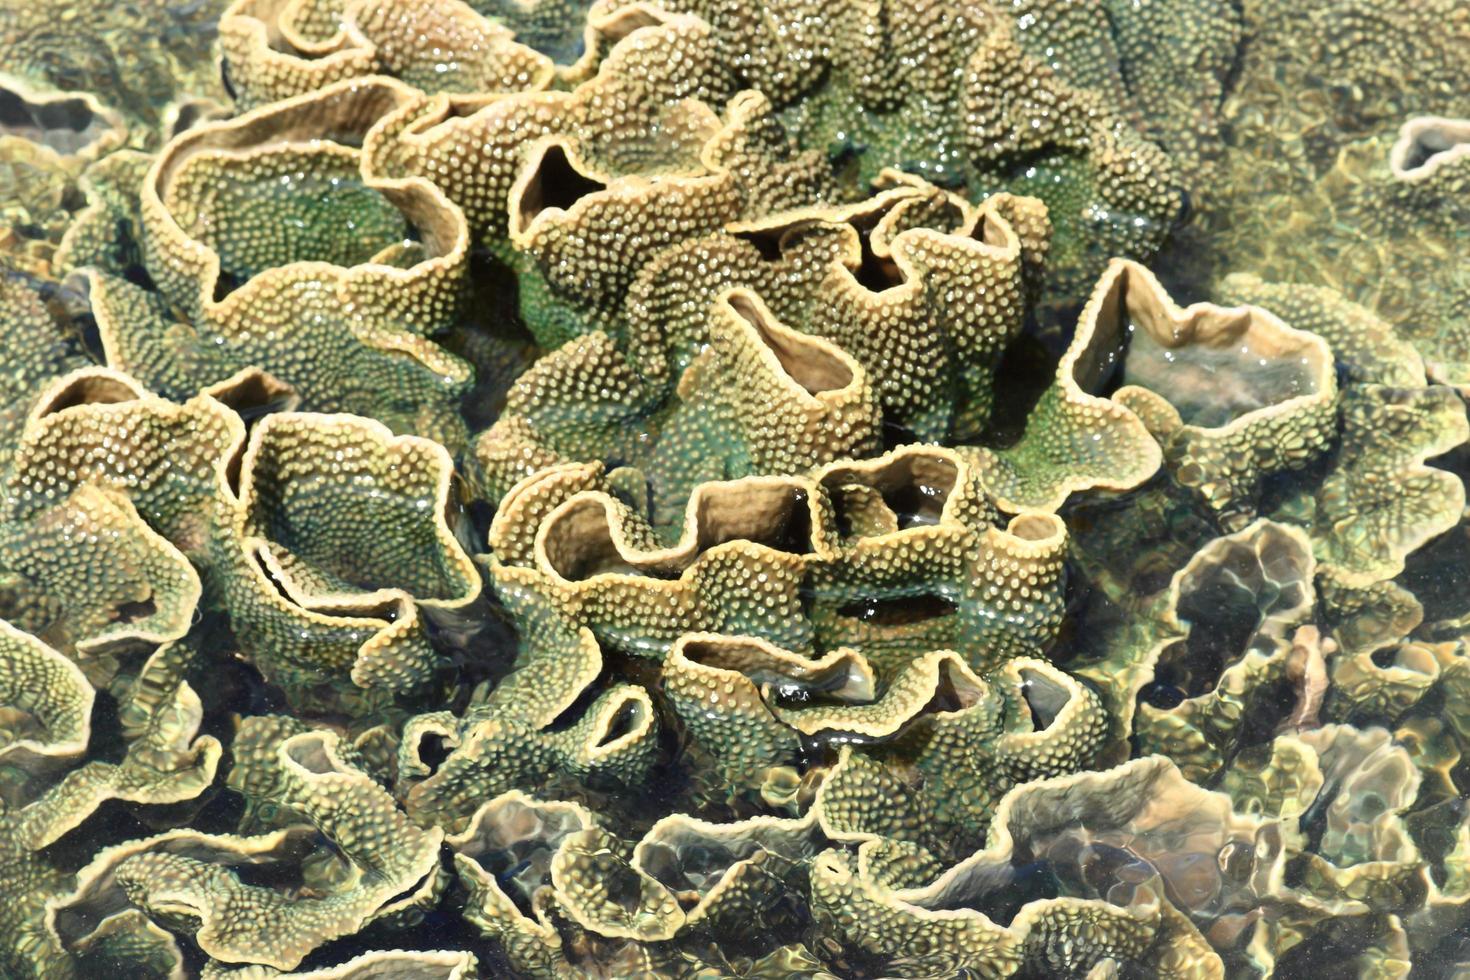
column 693, row 489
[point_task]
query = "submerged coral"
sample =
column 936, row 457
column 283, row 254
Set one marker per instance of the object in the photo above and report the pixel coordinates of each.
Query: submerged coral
column 683, row 488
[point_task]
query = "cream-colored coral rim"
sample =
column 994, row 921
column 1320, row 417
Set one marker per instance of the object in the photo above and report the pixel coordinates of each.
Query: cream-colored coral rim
column 67, row 744
column 79, row 113
column 1209, row 555
column 801, row 838
column 623, row 717
column 68, row 925
column 354, row 106
column 110, row 392
column 855, row 707
column 718, row 514
column 191, row 588
column 382, row 438
column 840, row 674
column 1129, row 293
column 1054, row 699
column 776, row 229
column 816, row 372
column 944, row 472
column 270, row 32
column 944, row 899
column 903, row 703
column 559, row 159
column 1427, row 144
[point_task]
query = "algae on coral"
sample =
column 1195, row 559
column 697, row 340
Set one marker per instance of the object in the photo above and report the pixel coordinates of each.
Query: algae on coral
column 690, row 488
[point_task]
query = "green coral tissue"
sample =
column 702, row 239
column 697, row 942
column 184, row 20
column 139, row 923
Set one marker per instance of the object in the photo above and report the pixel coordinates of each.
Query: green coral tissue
column 709, row 489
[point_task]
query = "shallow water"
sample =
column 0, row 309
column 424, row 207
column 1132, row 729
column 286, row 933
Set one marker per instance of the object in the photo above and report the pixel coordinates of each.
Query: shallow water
column 432, row 572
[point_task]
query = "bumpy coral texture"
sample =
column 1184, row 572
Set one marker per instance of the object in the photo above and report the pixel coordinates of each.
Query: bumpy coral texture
column 692, row 488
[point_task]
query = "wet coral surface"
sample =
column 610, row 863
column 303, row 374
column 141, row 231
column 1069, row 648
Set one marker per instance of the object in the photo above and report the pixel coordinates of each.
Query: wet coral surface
column 699, row 489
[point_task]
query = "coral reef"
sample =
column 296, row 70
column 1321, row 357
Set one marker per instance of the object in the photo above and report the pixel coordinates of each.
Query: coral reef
column 684, row 488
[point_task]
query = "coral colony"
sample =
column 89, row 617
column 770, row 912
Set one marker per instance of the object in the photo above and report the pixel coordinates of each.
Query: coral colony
column 704, row 489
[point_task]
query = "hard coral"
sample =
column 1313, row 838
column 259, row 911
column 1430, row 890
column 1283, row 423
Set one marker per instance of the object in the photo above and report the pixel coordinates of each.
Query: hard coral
column 546, row 489
column 253, row 223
